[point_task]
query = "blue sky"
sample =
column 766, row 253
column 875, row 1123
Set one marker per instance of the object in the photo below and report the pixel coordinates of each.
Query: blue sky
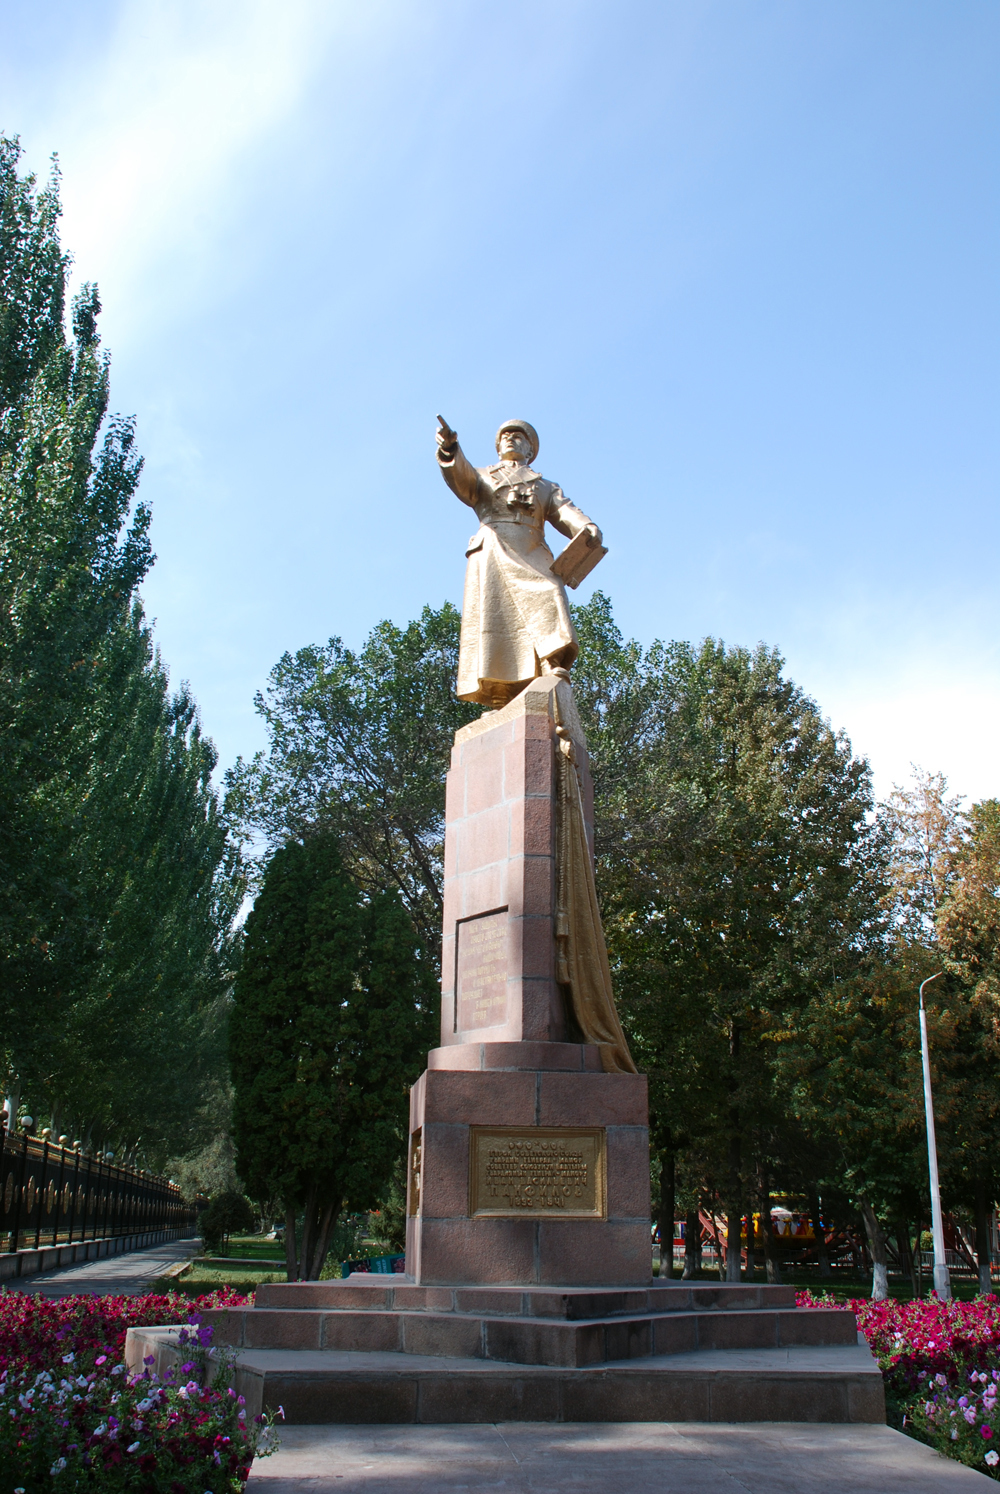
column 735, row 259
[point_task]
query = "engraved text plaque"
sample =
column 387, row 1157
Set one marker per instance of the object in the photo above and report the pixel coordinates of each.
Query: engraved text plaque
column 538, row 1172
column 481, row 972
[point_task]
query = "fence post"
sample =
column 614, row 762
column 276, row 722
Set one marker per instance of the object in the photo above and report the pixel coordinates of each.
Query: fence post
column 59, row 1189
column 19, row 1192
column 41, row 1192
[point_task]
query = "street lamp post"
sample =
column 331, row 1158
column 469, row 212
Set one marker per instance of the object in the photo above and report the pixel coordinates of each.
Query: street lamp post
column 942, row 1280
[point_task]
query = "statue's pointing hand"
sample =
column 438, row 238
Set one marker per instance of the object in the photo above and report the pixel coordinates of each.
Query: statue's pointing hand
column 447, row 440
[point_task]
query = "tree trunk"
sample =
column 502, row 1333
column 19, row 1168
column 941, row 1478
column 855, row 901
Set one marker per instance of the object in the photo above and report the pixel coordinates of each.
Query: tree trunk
column 819, row 1232
column 876, row 1240
column 692, row 1244
column 291, row 1259
column 906, row 1259
column 308, row 1232
column 734, row 1203
column 734, row 1213
column 772, row 1263
column 984, row 1257
column 918, row 1251
column 719, row 1252
column 751, row 1263
column 665, row 1213
column 326, row 1224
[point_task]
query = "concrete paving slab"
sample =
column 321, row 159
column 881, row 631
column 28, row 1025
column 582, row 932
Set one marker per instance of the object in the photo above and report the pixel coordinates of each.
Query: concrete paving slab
column 595, row 1458
column 125, row 1275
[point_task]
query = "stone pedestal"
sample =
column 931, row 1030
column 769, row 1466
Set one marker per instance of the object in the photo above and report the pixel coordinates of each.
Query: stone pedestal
column 528, row 1164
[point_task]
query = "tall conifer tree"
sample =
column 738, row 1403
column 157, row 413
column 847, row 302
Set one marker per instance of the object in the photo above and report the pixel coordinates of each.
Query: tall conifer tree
column 117, row 886
column 334, row 1013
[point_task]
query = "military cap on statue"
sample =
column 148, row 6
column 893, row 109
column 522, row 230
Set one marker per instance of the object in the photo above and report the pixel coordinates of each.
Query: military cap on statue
column 529, row 431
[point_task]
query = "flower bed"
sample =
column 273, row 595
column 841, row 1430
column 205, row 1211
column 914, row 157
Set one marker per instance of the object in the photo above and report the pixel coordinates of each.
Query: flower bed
column 71, row 1418
column 941, row 1366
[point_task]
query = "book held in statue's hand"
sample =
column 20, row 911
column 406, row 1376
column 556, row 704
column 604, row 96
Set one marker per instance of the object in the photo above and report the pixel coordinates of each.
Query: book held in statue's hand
column 578, row 559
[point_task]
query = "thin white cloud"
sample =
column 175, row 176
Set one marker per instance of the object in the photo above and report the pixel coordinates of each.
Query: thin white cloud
column 941, row 718
column 152, row 136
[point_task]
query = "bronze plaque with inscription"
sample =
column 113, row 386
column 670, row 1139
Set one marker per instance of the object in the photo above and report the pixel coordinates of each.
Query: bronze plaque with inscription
column 538, row 1172
column 481, row 972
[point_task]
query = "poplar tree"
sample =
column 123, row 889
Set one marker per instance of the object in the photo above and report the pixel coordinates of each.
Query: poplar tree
column 359, row 744
column 118, row 884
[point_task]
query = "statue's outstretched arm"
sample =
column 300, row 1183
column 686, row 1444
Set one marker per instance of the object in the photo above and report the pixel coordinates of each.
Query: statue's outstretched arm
column 456, row 469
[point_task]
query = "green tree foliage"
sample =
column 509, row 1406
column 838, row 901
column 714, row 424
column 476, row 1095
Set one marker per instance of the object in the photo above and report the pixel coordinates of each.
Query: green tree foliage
column 968, row 916
column 360, row 743
column 767, row 921
column 334, row 1012
column 117, row 885
column 739, row 872
column 230, row 1213
column 851, row 1065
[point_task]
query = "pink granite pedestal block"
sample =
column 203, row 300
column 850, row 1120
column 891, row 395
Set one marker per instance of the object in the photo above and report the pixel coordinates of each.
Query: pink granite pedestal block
column 508, row 1058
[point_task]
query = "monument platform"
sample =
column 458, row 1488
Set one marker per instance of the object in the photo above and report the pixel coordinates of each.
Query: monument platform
column 528, row 1292
column 364, row 1350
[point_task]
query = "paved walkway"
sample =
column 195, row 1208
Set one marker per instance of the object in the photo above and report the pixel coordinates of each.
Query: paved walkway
column 124, row 1275
column 608, row 1458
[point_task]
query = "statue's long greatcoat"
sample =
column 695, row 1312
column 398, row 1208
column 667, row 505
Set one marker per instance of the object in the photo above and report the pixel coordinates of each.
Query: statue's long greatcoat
column 514, row 612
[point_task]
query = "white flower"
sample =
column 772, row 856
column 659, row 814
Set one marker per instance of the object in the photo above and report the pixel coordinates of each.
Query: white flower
column 58, row 1466
column 992, row 1458
column 133, row 1448
column 100, row 1431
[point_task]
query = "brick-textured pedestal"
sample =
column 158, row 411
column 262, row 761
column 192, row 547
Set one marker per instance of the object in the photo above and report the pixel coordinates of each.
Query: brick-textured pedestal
column 507, row 1057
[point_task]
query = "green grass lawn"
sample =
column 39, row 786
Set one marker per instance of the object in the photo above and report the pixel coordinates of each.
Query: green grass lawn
column 846, row 1284
column 200, row 1278
column 254, row 1247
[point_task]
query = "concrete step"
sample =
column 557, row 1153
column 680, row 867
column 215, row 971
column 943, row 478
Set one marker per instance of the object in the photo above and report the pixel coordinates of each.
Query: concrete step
column 833, row 1383
column 528, row 1340
column 362, row 1291
column 593, row 1457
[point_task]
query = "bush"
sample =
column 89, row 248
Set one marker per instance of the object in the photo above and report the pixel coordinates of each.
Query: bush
column 229, row 1214
column 70, row 1417
column 389, row 1223
column 940, row 1362
column 962, row 1426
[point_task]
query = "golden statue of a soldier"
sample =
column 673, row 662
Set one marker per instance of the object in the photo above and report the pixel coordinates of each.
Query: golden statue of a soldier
column 515, row 619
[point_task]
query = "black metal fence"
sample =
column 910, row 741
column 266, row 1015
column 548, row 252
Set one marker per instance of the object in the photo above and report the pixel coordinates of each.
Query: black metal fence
column 54, row 1195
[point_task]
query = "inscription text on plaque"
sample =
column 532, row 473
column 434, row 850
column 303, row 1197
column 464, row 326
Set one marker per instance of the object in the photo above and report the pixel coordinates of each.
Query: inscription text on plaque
column 481, row 972
column 538, row 1172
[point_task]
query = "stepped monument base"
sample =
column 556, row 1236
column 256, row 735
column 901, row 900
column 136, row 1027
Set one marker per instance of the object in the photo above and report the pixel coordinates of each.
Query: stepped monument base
column 528, row 1293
